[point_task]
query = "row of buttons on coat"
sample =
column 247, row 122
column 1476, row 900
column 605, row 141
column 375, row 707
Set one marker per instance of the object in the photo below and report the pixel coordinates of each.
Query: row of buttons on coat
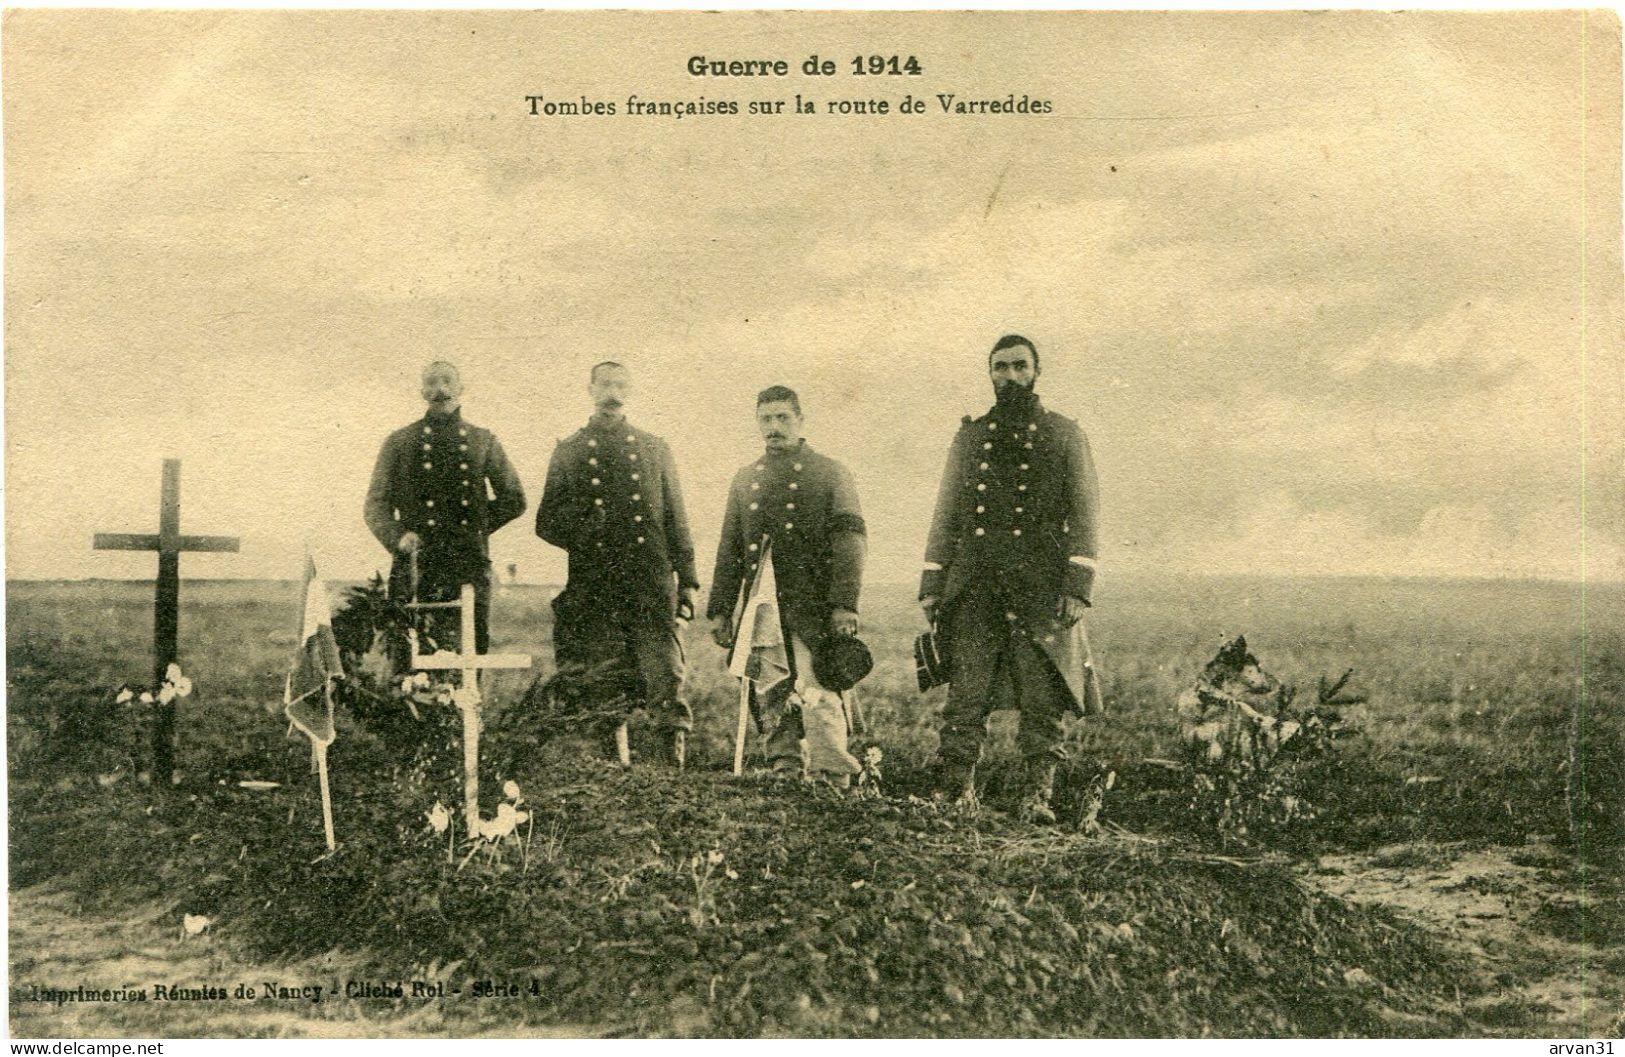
column 789, row 506
column 598, row 482
column 1021, row 483
column 428, row 464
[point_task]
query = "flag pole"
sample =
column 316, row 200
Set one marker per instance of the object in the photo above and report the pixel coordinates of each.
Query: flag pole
column 744, row 682
column 320, row 749
column 623, row 746
column 739, row 732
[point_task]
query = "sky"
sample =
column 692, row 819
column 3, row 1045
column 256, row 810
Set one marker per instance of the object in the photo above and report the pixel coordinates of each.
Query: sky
column 1329, row 293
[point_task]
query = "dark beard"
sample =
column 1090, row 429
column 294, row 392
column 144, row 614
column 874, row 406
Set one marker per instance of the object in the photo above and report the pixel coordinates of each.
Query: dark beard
column 1013, row 395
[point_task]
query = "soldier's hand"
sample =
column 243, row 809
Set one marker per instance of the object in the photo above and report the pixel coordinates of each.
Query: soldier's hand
column 1071, row 609
column 409, row 542
column 722, row 632
column 928, row 605
column 685, row 604
column 843, row 622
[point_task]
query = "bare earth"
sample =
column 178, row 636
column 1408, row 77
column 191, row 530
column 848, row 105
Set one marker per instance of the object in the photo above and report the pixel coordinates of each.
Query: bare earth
column 1512, row 910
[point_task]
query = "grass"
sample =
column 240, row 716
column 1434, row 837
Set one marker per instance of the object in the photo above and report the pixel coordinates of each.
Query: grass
column 960, row 925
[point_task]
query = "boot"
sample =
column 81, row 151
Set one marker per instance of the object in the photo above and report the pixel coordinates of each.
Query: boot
column 1038, row 785
column 956, row 780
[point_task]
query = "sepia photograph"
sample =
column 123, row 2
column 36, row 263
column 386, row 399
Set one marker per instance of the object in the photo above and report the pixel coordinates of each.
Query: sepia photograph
column 789, row 524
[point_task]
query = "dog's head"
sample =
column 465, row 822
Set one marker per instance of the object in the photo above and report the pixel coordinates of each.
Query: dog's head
column 1235, row 670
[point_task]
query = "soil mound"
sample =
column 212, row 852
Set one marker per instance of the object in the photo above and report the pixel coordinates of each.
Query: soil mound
column 707, row 905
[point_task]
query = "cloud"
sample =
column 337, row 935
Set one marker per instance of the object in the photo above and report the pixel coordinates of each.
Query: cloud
column 1310, row 286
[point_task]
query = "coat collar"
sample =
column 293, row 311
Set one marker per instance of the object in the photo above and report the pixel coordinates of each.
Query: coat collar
column 800, row 451
column 599, row 422
column 1026, row 409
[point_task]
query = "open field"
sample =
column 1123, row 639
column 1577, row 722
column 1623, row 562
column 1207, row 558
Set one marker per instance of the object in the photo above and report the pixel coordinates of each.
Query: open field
column 855, row 906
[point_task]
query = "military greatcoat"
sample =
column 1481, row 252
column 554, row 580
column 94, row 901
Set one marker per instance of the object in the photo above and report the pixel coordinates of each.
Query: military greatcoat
column 613, row 503
column 807, row 504
column 450, row 482
column 1013, row 532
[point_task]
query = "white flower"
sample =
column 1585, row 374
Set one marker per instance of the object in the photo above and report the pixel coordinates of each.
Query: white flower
column 510, row 789
column 166, row 693
column 195, row 923
column 421, row 679
column 172, row 673
column 730, row 874
column 125, row 695
column 872, row 756
column 406, row 685
column 439, row 817
column 502, row 825
column 183, row 686
column 713, row 857
column 146, row 697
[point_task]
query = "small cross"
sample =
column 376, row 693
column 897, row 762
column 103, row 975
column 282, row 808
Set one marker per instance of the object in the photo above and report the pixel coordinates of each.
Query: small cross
column 467, row 695
column 166, row 610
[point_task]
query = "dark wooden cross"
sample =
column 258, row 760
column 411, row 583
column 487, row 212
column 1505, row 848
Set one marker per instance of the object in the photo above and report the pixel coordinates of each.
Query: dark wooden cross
column 166, row 610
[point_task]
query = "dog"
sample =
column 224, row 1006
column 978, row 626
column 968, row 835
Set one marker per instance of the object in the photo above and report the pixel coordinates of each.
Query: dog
column 1236, row 708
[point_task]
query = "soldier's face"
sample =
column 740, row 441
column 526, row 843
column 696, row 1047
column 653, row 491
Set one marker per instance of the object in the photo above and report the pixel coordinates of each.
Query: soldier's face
column 610, row 388
column 1013, row 367
column 442, row 388
column 780, row 424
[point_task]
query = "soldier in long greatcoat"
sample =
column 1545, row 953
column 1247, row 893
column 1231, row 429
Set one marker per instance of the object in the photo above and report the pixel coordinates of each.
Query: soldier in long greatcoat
column 612, row 502
column 440, row 487
column 805, row 506
column 1009, row 569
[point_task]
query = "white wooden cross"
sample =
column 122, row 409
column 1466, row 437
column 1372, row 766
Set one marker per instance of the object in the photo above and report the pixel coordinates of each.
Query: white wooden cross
column 467, row 695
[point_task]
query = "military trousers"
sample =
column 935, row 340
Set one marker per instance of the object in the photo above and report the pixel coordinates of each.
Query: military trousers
column 801, row 713
column 995, row 665
column 589, row 630
column 441, row 581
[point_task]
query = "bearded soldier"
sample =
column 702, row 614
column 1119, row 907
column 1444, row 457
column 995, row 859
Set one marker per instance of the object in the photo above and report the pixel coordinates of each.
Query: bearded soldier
column 612, row 502
column 1009, row 568
column 805, row 506
column 441, row 486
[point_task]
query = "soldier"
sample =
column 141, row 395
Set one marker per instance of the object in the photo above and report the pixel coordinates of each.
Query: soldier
column 1009, row 567
column 440, row 488
column 612, row 502
column 806, row 506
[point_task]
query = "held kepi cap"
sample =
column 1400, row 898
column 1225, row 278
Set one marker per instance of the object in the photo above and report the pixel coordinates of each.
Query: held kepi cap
column 841, row 661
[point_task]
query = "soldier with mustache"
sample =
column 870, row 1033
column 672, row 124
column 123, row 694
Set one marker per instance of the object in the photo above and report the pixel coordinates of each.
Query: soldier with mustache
column 804, row 505
column 440, row 488
column 612, row 502
column 1009, row 569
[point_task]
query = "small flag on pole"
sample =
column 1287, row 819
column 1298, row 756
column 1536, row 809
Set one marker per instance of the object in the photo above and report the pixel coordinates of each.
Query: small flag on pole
column 761, row 657
column 307, row 694
column 760, row 653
